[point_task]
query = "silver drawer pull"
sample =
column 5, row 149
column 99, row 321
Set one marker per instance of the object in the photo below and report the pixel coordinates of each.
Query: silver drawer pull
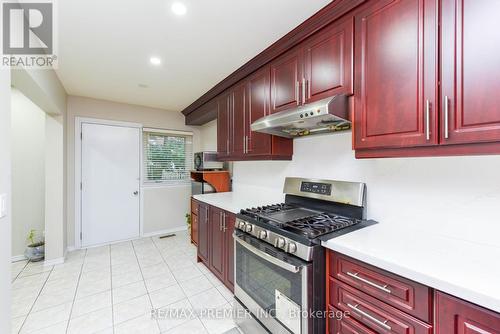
column 380, row 287
column 372, row 318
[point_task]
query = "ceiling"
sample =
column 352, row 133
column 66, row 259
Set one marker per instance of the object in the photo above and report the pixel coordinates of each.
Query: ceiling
column 105, row 46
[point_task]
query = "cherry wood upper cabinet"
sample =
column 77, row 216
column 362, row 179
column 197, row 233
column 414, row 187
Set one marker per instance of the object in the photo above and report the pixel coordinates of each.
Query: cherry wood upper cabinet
column 396, row 70
column 258, row 105
column 217, row 242
column 470, row 45
column 455, row 316
column 328, row 62
column 223, row 124
column 286, row 76
column 238, row 122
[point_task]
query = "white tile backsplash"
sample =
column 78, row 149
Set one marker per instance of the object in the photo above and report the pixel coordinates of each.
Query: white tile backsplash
column 454, row 196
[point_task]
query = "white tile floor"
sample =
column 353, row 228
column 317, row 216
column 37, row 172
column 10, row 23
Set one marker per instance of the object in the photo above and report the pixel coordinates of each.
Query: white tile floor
column 113, row 289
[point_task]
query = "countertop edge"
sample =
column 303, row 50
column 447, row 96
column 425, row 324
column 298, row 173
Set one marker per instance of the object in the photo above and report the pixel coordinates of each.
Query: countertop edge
column 436, row 283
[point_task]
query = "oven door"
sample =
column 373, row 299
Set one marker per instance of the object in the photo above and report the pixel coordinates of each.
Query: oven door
column 273, row 285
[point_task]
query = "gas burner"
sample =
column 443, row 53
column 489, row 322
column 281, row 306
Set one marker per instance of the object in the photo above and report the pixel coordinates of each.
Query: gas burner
column 320, row 224
column 267, row 209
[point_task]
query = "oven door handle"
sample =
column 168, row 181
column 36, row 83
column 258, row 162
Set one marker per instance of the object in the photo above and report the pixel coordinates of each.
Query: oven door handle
column 269, row 258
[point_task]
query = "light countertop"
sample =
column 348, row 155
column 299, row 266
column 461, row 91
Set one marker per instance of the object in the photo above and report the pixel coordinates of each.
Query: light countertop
column 243, row 199
column 467, row 270
column 461, row 268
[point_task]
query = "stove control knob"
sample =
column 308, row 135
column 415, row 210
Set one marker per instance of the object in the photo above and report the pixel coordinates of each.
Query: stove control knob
column 248, row 227
column 292, row 247
column 241, row 225
column 262, row 234
column 280, row 243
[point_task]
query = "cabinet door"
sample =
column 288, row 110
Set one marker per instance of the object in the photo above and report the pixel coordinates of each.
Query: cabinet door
column 229, row 220
column 286, row 76
column 396, row 70
column 329, row 62
column 223, row 124
column 216, row 242
column 258, row 92
column 238, row 119
column 194, row 229
column 455, row 316
column 203, row 232
column 470, row 81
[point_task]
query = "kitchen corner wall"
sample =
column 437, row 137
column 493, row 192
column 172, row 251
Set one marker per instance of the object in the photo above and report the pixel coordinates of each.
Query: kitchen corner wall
column 28, row 169
column 5, row 188
column 454, row 196
column 163, row 207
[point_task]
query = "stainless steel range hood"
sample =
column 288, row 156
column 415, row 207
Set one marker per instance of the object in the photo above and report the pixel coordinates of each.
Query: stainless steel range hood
column 327, row 115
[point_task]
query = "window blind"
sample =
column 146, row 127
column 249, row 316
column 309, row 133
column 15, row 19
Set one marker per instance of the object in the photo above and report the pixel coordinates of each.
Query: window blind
column 168, row 157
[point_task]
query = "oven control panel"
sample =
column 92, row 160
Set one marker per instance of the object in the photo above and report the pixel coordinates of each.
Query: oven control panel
column 316, row 188
column 285, row 244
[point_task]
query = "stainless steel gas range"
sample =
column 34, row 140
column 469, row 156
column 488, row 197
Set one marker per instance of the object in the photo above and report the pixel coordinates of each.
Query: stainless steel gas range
column 279, row 261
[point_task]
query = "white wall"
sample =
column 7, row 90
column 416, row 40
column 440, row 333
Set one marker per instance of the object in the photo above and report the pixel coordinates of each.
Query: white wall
column 28, row 170
column 54, row 189
column 453, row 196
column 5, row 188
column 164, row 208
column 46, row 91
column 158, row 203
column 208, row 136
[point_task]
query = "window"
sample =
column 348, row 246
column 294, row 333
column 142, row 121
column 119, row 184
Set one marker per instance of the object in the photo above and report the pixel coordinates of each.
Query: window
column 167, row 156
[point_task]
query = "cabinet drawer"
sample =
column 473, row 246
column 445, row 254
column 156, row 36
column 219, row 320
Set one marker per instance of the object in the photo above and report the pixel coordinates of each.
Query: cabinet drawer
column 373, row 313
column 346, row 325
column 194, row 207
column 406, row 295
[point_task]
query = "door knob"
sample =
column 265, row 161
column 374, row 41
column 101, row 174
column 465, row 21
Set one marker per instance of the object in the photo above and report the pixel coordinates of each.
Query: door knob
column 136, row 193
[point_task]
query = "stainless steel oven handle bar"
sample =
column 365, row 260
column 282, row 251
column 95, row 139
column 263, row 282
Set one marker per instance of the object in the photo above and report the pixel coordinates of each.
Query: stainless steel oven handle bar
column 267, row 257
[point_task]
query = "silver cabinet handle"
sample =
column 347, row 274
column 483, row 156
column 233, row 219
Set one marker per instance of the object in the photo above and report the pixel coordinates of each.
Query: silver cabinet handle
column 269, row 258
column 303, row 90
column 369, row 316
column 244, row 144
column 427, row 120
column 446, row 111
column 297, row 92
column 364, row 280
column 247, row 140
column 224, row 227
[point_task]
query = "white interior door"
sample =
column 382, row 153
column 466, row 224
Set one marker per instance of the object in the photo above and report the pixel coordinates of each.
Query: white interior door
column 110, row 183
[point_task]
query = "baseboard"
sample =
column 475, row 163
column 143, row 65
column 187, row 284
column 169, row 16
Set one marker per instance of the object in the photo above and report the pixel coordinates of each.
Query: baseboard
column 54, row 262
column 167, row 231
column 17, row 258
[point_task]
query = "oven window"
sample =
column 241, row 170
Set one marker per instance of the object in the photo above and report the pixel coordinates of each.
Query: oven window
column 260, row 278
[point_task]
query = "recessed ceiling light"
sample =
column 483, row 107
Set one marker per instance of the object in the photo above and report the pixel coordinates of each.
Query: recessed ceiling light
column 179, row 8
column 141, row 85
column 155, row 61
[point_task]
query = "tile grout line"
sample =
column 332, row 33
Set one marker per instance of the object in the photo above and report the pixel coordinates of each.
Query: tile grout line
column 76, row 290
column 144, row 281
column 38, row 296
column 19, row 273
column 187, row 298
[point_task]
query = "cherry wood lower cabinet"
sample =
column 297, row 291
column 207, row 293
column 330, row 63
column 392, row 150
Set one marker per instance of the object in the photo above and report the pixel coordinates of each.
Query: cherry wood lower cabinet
column 376, row 301
column 215, row 242
column 203, row 232
column 194, row 221
column 455, row 316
